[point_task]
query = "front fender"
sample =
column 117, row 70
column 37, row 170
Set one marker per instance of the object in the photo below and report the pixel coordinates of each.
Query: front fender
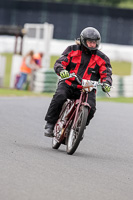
column 86, row 104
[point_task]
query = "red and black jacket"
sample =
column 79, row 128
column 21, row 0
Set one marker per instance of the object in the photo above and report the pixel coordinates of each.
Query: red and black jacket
column 90, row 65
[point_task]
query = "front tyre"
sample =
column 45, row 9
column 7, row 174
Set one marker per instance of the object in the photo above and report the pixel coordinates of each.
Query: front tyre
column 55, row 143
column 76, row 133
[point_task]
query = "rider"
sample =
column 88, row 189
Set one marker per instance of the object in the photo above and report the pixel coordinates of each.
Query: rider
column 85, row 60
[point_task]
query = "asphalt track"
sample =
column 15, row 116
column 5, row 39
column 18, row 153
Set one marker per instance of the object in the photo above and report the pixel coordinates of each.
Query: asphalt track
column 101, row 168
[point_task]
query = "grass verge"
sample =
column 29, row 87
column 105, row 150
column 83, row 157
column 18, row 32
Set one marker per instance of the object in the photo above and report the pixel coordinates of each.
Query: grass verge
column 117, row 99
column 121, row 68
column 118, row 68
column 5, row 92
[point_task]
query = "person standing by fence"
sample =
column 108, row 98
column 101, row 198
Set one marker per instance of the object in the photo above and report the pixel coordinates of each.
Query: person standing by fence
column 28, row 64
column 38, row 59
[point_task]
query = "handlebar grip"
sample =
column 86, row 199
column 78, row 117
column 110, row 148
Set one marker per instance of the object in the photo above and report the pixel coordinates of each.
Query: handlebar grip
column 71, row 76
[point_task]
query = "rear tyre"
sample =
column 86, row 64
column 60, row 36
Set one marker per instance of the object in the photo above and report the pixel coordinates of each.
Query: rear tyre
column 58, row 127
column 75, row 135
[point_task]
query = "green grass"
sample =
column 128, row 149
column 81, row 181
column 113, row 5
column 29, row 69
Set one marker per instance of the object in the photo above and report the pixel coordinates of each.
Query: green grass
column 52, row 60
column 5, row 92
column 118, row 68
column 8, row 68
column 121, row 68
column 117, row 99
column 126, row 4
column 12, row 92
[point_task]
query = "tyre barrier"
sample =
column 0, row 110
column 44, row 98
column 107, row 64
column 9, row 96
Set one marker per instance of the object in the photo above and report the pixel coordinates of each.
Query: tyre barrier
column 122, row 86
column 45, row 81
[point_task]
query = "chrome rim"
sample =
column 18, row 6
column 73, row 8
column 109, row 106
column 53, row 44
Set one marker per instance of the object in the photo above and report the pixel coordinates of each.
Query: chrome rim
column 74, row 133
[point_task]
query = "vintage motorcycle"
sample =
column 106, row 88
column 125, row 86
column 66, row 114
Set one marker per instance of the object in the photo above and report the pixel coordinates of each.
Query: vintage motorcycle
column 72, row 121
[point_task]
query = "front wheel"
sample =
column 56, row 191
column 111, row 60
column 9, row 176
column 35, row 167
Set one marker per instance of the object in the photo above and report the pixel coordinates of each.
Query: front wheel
column 55, row 143
column 76, row 133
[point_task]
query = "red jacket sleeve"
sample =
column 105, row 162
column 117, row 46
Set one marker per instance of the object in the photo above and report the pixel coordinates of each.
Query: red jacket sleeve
column 105, row 71
column 63, row 61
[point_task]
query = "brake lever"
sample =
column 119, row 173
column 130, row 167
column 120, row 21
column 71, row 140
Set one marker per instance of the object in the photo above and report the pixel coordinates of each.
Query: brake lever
column 108, row 94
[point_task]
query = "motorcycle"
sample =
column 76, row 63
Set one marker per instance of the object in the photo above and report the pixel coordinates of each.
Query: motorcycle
column 71, row 124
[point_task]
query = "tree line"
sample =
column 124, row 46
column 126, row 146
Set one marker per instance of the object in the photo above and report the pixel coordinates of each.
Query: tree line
column 114, row 3
column 98, row 2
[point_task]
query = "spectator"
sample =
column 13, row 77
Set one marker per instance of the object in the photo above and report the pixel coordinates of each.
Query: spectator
column 28, row 64
column 38, row 59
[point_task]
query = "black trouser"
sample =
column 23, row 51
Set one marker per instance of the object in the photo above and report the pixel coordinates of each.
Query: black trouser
column 63, row 93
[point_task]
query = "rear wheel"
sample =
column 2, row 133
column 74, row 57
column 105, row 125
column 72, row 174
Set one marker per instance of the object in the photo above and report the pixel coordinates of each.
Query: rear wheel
column 59, row 127
column 75, row 135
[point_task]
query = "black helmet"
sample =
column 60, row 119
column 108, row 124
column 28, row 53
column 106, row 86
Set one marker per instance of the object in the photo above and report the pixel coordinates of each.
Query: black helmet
column 90, row 33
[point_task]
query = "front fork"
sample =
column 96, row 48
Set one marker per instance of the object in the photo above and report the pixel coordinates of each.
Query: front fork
column 74, row 111
column 81, row 101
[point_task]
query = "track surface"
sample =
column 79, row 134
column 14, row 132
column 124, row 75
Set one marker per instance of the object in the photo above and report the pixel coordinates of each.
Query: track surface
column 101, row 168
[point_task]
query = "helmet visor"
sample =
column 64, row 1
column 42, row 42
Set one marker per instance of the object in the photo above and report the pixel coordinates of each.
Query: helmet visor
column 92, row 44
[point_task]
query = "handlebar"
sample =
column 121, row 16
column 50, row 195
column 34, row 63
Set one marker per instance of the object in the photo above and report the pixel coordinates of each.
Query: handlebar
column 87, row 84
column 93, row 83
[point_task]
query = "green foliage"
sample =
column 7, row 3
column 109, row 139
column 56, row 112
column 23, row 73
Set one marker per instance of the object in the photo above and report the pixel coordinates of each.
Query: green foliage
column 115, row 3
column 126, row 4
column 101, row 2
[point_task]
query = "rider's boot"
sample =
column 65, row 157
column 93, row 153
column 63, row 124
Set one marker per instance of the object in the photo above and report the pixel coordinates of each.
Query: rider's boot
column 48, row 130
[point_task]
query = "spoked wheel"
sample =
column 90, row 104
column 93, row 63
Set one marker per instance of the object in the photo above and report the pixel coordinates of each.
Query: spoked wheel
column 76, row 133
column 59, row 126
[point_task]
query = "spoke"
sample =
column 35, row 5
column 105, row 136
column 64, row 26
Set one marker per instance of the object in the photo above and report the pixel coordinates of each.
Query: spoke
column 77, row 132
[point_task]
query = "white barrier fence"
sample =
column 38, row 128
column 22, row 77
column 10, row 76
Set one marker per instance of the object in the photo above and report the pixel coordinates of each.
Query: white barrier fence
column 38, row 38
column 15, row 69
column 2, row 70
column 113, row 51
